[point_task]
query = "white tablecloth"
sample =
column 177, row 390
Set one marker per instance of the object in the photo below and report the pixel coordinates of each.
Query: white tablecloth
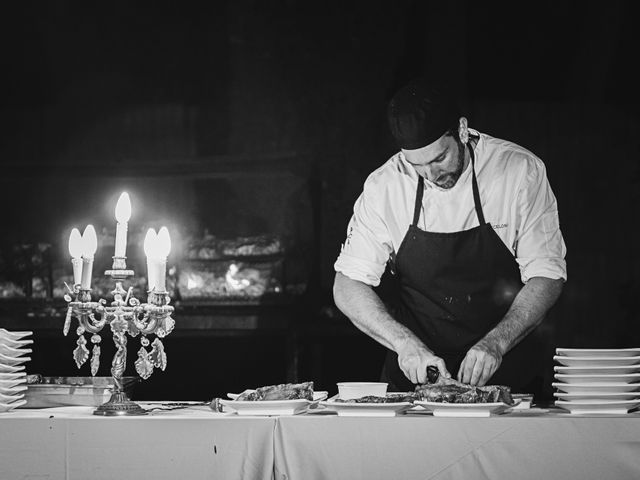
column 197, row 443
column 510, row 447
column 71, row 443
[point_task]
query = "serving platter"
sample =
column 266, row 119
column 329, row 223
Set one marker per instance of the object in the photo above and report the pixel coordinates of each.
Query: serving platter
column 353, row 409
column 74, row 391
column 603, row 378
column 595, row 361
column 317, row 395
column 598, row 352
column 268, row 407
column 596, row 387
column 586, row 407
column 443, row 409
column 598, row 370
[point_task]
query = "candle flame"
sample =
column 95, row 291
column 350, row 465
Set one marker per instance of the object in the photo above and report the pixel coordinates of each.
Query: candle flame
column 191, row 283
column 89, row 242
column 75, row 243
column 123, row 208
column 150, row 243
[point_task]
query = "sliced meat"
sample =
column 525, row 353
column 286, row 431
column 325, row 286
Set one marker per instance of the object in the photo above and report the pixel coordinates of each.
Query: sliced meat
column 284, row 391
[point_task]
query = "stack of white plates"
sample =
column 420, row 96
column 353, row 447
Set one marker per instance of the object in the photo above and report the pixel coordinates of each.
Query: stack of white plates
column 13, row 378
column 592, row 381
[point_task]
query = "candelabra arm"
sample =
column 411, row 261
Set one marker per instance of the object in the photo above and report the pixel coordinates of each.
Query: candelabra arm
column 90, row 324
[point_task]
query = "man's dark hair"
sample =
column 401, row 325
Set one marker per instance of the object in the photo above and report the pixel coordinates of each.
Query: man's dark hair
column 421, row 112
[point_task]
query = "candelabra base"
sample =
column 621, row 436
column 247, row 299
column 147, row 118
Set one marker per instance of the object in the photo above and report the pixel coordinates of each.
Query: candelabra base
column 119, row 405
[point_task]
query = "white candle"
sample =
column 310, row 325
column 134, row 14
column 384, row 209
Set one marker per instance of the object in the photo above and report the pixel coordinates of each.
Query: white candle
column 123, row 214
column 150, row 252
column 89, row 247
column 75, row 250
column 164, row 247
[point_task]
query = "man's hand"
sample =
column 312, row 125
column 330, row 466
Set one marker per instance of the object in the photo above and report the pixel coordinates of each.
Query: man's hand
column 480, row 363
column 414, row 358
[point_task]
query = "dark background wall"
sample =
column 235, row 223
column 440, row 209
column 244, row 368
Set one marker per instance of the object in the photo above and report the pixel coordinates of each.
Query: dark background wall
column 115, row 85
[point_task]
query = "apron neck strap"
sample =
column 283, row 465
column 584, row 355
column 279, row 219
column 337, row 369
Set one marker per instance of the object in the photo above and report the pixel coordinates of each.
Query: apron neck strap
column 474, row 184
column 418, row 205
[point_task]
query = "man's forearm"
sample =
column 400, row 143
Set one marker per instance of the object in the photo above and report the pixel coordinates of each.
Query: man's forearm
column 367, row 312
column 528, row 309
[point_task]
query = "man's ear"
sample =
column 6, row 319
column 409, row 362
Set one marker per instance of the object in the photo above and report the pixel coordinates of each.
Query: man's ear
column 463, row 130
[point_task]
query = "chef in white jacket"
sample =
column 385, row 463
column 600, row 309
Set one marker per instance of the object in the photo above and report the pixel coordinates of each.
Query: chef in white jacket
column 470, row 226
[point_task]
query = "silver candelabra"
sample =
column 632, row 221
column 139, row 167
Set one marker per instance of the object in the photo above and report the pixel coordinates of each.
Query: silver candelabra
column 126, row 315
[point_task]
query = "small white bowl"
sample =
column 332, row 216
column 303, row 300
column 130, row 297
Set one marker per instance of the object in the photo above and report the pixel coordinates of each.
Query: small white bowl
column 351, row 390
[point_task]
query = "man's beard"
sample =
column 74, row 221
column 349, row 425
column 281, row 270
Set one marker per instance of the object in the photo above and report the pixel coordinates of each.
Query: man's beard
column 448, row 180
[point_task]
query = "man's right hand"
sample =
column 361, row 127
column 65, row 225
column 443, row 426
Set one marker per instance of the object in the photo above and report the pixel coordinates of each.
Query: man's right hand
column 414, row 358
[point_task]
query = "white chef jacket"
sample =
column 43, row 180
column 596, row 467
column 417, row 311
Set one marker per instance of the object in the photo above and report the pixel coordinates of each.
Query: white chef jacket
column 516, row 199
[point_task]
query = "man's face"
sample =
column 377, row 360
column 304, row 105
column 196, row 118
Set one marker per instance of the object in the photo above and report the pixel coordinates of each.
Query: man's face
column 441, row 162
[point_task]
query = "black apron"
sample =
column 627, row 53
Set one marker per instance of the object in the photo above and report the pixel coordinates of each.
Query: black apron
column 454, row 288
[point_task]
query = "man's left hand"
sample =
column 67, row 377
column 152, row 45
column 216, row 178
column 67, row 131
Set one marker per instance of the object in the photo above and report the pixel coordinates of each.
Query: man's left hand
column 480, row 363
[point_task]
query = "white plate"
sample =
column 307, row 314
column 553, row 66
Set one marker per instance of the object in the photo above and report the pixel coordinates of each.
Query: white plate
column 317, row 395
column 4, row 333
column 598, row 352
column 596, row 361
column 570, row 378
column 10, row 368
column 10, row 398
column 598, row 396
column 442, row 409
column 598, row 370
column 13, row 390
column 595, row 387
column 13, row 375
column 268, row 407
column 352, row 409
column 523, row 401
column 5, row 407
column 6, row 360
column 586, row 407
column 11, row 382
column 12, row 351
column 14, row 343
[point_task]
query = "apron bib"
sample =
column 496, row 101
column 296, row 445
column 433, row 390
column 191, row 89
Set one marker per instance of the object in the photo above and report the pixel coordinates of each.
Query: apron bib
column 454, row 288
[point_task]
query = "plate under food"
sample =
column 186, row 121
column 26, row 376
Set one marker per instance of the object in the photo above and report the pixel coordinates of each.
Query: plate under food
column 443, row 409
column 362, row 409
column 268, row 407
column 317, row 395
column 74, row 391
column 367, row 409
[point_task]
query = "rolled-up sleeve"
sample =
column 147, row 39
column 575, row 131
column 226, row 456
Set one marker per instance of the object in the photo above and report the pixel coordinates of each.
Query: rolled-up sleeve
column 367, row 247
column 540, row 248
